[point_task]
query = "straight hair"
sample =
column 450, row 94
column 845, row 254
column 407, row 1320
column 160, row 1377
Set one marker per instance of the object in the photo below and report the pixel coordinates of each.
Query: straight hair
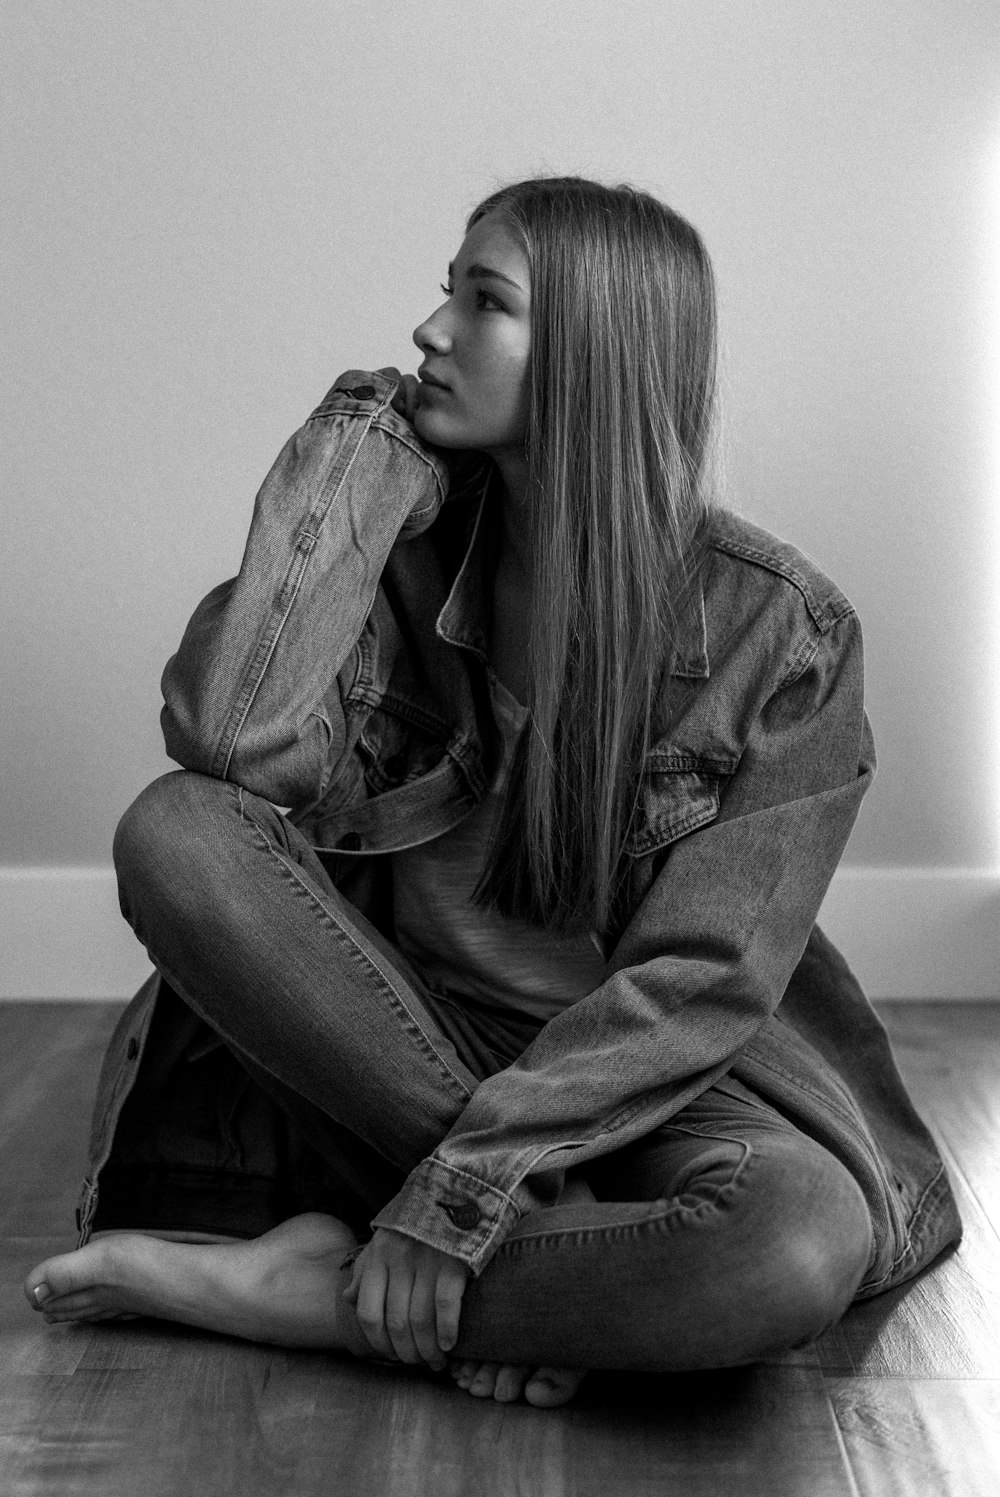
column 619, row 446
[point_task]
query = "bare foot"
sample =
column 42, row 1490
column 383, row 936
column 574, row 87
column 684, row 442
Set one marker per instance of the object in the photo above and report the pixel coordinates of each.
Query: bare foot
column 545, row 1387
column 283, row 1288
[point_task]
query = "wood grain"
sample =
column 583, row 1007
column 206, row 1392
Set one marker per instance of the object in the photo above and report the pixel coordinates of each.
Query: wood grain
column 920, row 1438
column 901, row 1399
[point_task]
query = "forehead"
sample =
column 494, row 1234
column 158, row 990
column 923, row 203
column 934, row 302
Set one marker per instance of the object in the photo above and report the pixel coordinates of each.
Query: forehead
column 492, row 242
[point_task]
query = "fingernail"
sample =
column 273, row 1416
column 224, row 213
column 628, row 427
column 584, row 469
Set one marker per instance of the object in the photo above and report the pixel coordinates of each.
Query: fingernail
column 41, row 1293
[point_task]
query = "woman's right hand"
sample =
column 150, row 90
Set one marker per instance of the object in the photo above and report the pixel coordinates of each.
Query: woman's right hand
column 407, row 396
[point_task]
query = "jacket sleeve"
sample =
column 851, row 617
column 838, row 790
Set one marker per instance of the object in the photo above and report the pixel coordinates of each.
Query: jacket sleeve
column 252, row 694
column 703, row 962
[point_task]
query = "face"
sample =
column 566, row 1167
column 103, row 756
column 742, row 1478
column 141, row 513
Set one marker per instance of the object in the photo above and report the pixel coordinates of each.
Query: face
column 474, row 374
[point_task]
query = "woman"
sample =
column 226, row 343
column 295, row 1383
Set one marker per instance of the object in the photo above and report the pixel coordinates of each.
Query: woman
column 512, row 1046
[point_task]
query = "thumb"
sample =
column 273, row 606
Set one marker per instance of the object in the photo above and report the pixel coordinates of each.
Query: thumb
column 407, row 396
column 353, row 1288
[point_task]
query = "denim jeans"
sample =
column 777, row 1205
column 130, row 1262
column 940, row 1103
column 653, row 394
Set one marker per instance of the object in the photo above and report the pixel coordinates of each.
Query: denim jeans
column 343, row 674
column 329, row 1069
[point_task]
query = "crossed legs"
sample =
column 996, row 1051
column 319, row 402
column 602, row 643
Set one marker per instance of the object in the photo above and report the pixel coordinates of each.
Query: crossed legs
column 722, row 1237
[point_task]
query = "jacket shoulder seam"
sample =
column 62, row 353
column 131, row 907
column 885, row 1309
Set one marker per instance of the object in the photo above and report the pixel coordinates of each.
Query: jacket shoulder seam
column 824, row 601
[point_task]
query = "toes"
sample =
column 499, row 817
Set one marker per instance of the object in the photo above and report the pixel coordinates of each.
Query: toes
column 82, row 1306
column 60, row 1276
column 485, row 1380
column 510, row 1383
column 36, row 1290
column 463, row 1371
column 72, row 1306
column 503, row 1381
column 551, row 1386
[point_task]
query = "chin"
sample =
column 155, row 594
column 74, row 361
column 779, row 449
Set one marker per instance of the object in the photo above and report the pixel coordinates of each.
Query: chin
column 432, row 427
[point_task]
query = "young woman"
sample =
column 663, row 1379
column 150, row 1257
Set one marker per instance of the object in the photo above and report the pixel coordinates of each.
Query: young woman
column 491, row 1027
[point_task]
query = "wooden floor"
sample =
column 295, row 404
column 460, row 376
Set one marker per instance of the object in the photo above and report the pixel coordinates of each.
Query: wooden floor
column 902, row 1398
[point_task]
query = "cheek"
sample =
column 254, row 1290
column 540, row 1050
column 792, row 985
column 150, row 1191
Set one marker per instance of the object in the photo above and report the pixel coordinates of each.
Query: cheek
column 517, row 394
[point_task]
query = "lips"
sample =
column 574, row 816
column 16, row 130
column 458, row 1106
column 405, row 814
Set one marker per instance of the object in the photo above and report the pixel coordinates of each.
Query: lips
column 426, row 378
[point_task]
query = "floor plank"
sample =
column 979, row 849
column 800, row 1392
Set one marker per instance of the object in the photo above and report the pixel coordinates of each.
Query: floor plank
column 918, row 1438
column 216, row 1416
column 901, row 1399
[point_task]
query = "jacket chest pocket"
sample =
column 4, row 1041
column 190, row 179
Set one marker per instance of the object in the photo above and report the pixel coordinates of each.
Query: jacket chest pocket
column 673, row 801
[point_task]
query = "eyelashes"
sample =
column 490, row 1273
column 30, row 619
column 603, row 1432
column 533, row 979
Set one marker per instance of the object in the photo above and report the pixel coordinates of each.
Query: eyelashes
column 485, row 300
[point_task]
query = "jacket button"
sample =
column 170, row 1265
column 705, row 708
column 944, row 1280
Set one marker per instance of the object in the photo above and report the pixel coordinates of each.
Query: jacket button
column 362, row 392
column 465, row 1215
column 395, row 765
column 350, row 841
column 133, row 1048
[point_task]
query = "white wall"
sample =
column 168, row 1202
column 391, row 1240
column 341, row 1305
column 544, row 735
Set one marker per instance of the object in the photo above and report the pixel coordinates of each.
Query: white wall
column 212, row 207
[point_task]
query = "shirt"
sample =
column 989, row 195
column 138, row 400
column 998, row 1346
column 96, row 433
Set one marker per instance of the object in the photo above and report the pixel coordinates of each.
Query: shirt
column 504, row 962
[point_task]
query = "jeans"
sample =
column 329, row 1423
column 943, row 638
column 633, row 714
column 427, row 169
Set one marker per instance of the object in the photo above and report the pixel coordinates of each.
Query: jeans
column 724, row 1236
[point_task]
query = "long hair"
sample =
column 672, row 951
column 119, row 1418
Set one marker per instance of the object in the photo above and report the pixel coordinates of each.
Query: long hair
column 620, row 437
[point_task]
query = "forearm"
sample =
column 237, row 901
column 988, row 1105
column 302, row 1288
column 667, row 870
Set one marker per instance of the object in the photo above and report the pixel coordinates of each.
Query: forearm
column 253, row 693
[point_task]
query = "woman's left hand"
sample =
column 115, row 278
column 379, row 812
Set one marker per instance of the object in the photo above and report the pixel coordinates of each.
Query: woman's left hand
column 407, row 1297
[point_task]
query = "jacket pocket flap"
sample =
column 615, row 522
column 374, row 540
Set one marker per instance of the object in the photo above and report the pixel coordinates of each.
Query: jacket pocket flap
column 672, row 803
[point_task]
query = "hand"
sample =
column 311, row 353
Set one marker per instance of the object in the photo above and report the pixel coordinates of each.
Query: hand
column 407, row 397
column 407, row 1297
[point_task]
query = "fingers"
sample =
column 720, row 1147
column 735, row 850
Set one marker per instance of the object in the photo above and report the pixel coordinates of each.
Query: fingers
column 423, row 1323
column 395, row 1322
column 407, row 396
column 448, row 1292
column 369, row 1304
column 407, row 1298
column 397, row 1316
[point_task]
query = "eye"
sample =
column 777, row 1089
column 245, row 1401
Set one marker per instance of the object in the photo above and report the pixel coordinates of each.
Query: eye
column 487, row 303
column 446, row 289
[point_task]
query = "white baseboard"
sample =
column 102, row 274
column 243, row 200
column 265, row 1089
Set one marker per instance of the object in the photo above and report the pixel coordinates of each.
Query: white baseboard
column 918, row 932
column 907, row 932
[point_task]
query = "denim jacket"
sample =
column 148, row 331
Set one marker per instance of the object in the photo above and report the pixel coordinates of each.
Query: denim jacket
column 342, row 675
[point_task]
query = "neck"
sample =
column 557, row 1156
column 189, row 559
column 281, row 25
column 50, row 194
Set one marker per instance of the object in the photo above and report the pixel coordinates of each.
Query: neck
column 515, row 552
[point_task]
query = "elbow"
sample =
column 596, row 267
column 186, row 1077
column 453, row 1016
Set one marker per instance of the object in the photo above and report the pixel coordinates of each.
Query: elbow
column 288, row 769
column 185, row 744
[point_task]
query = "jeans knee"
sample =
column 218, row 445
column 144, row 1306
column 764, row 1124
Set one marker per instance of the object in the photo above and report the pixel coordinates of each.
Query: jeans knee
column 820, row 1252
column 159, row 833
column 156, row 813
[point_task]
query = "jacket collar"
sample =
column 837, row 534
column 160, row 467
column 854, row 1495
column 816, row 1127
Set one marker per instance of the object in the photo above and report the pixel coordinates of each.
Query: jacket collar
column 461, row 620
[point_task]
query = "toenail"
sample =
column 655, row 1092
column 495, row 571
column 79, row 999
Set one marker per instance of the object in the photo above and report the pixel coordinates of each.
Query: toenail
column 41, row 1293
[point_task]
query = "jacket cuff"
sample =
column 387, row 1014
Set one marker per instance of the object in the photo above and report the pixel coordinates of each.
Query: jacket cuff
column 452, row 1211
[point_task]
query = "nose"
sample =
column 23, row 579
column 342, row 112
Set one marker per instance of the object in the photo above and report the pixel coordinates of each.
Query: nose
column 432, row 336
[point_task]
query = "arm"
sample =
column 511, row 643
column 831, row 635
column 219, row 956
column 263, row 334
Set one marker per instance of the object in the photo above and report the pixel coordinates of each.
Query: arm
column 703, row 962
column 252, row 695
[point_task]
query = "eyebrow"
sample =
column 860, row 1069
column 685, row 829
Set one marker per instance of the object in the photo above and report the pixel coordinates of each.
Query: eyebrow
column 479, row 272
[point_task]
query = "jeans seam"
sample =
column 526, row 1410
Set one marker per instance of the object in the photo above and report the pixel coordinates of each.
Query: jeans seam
column 407, row 1022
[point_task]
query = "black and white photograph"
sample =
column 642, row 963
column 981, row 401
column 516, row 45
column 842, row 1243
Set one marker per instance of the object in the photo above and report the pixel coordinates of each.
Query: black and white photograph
column 500, row 712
